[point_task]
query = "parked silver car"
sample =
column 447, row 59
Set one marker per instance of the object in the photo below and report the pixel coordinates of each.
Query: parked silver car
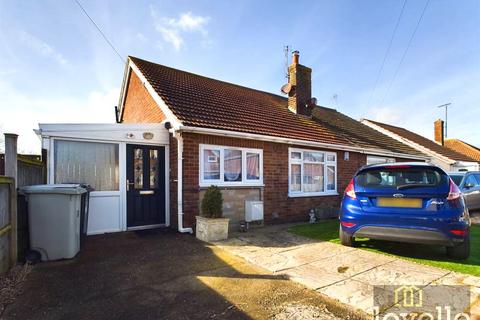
column 469, row 184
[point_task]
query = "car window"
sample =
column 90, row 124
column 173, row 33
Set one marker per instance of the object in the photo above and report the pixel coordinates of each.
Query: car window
column 393, row 177
column 477, row 175
column 471, row 180
column 457, row 178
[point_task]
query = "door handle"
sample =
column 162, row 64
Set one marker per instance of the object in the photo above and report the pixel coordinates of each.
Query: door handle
column 129, row 184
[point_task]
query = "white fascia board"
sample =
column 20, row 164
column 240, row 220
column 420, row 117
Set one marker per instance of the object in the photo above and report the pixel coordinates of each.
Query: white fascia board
column 161, row 104
column 45, row 128
column 116, row 132
column 408, row 142
column 123, row 90
column 253, row 136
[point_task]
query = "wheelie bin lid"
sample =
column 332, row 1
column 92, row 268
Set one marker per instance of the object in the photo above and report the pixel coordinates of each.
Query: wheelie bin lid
column 54, row 188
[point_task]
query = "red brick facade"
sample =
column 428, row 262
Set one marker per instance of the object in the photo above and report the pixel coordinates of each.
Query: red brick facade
column 139, row 105
column 278, row 207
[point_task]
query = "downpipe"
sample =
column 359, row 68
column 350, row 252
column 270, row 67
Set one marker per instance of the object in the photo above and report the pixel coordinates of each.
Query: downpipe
column 181, row 229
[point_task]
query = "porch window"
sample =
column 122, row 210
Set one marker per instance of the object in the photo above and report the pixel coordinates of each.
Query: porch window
column 230, row 166
column 92, row 163
column 312, row 173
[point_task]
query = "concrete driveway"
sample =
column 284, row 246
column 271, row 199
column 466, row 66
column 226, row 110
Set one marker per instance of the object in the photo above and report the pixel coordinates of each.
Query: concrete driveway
column 163, row 275
column 343, row 273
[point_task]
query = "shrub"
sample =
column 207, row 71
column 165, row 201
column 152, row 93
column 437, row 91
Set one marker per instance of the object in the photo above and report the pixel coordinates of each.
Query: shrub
column 212, row 203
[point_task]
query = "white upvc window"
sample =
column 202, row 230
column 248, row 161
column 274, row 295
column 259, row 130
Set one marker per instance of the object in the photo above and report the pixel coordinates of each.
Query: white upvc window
column 311, row 173
column 230, row 166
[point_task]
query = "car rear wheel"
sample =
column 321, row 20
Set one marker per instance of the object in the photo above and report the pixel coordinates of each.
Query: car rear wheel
column 461, row 251
column 345, row 238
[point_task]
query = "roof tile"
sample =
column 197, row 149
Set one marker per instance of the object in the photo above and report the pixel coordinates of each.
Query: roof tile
column 204, row 102
column 424, row 142
column 463, row 148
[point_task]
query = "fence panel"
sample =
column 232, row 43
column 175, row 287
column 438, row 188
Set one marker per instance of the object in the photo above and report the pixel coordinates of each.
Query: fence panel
column 7, row 223
column 30, row 172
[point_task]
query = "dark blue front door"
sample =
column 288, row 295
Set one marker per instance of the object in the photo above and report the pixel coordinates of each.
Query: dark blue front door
column 145, row 185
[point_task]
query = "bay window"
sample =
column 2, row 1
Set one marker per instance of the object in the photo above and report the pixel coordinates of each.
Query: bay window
column 312, row 173
column 230, row 166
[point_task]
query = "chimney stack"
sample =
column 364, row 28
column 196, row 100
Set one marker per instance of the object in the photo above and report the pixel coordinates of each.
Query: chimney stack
column 300, row 95
column 438, row 127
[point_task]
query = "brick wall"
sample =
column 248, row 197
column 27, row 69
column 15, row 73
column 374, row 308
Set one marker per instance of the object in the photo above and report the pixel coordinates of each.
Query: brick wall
column 139, row 105
column 278, row 207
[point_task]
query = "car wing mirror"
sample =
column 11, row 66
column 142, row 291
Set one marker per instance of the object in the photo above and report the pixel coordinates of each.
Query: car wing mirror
column 468, row 185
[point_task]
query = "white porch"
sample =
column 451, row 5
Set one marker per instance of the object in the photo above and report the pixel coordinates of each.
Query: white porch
column 103, row 165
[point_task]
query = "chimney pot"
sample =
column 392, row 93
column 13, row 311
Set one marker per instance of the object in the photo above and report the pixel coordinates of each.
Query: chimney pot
column 295, row 57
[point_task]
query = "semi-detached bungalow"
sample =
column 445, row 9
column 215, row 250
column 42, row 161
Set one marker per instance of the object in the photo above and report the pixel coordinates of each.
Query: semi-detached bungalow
column 178, row 133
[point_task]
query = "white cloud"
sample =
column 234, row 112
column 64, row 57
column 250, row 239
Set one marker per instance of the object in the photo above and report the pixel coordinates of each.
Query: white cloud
column 41, row 47
column 173, row 30
column 21, row 113
column 386, row 114
column 140, row 36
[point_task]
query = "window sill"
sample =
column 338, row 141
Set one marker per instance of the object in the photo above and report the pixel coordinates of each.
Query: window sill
column 303, row 195
column 232, row 185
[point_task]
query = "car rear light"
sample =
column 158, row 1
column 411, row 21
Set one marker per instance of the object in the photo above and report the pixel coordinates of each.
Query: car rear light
column 454, row 193
column 350, row 190
column 459, row 232
column 348, row 224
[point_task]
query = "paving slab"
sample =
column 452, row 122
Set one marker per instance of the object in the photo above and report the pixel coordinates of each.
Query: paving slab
column 348, row 275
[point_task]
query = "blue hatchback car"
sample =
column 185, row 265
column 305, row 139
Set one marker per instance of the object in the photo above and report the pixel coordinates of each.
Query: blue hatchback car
column 406, row 202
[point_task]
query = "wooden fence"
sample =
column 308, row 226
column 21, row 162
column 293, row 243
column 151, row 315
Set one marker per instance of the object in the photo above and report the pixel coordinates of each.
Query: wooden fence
column 31, row 169
column 22, row 170
column 8, row 223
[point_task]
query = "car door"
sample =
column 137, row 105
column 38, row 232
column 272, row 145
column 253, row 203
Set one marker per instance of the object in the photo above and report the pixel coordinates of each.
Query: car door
column 471, row 191
column 477, row 194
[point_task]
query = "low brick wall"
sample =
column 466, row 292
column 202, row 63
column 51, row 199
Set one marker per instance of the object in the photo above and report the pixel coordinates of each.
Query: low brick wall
column 234, row 202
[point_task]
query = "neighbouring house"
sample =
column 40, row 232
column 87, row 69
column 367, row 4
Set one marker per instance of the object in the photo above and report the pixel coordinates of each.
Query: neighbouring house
column 448, row 159
column 178, row 133
column 463, row 148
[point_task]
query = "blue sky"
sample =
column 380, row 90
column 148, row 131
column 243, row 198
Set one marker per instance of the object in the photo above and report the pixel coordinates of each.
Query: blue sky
column 55, row 66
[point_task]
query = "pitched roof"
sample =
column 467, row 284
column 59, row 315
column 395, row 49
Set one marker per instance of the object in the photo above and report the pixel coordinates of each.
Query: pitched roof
column 463, row 148
column 358, row 133
column 199, row 101
column 424, row 142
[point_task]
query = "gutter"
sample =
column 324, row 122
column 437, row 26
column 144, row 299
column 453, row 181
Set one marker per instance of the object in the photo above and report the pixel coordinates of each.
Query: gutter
column 253, row 136
column 181, row 229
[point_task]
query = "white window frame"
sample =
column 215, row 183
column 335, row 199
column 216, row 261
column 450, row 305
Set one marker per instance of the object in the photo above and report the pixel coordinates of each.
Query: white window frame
column 220, row 182
column 301, row 193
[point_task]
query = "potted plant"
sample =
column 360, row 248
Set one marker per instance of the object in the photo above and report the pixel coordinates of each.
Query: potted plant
column 211, row 226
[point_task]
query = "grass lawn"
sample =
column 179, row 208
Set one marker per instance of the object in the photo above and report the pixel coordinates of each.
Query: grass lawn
column 429, row 255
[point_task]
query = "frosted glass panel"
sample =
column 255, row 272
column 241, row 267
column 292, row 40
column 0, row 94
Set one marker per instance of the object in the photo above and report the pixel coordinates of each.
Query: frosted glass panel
column 92, row 163
column 154, row 169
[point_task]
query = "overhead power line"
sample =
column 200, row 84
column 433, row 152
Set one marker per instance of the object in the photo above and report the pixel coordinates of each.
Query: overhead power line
column 405, row 52
column 386, row 53
column 100, row 30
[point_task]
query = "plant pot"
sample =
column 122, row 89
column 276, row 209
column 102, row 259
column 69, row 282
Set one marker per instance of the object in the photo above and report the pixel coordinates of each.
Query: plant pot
column 209, row 229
